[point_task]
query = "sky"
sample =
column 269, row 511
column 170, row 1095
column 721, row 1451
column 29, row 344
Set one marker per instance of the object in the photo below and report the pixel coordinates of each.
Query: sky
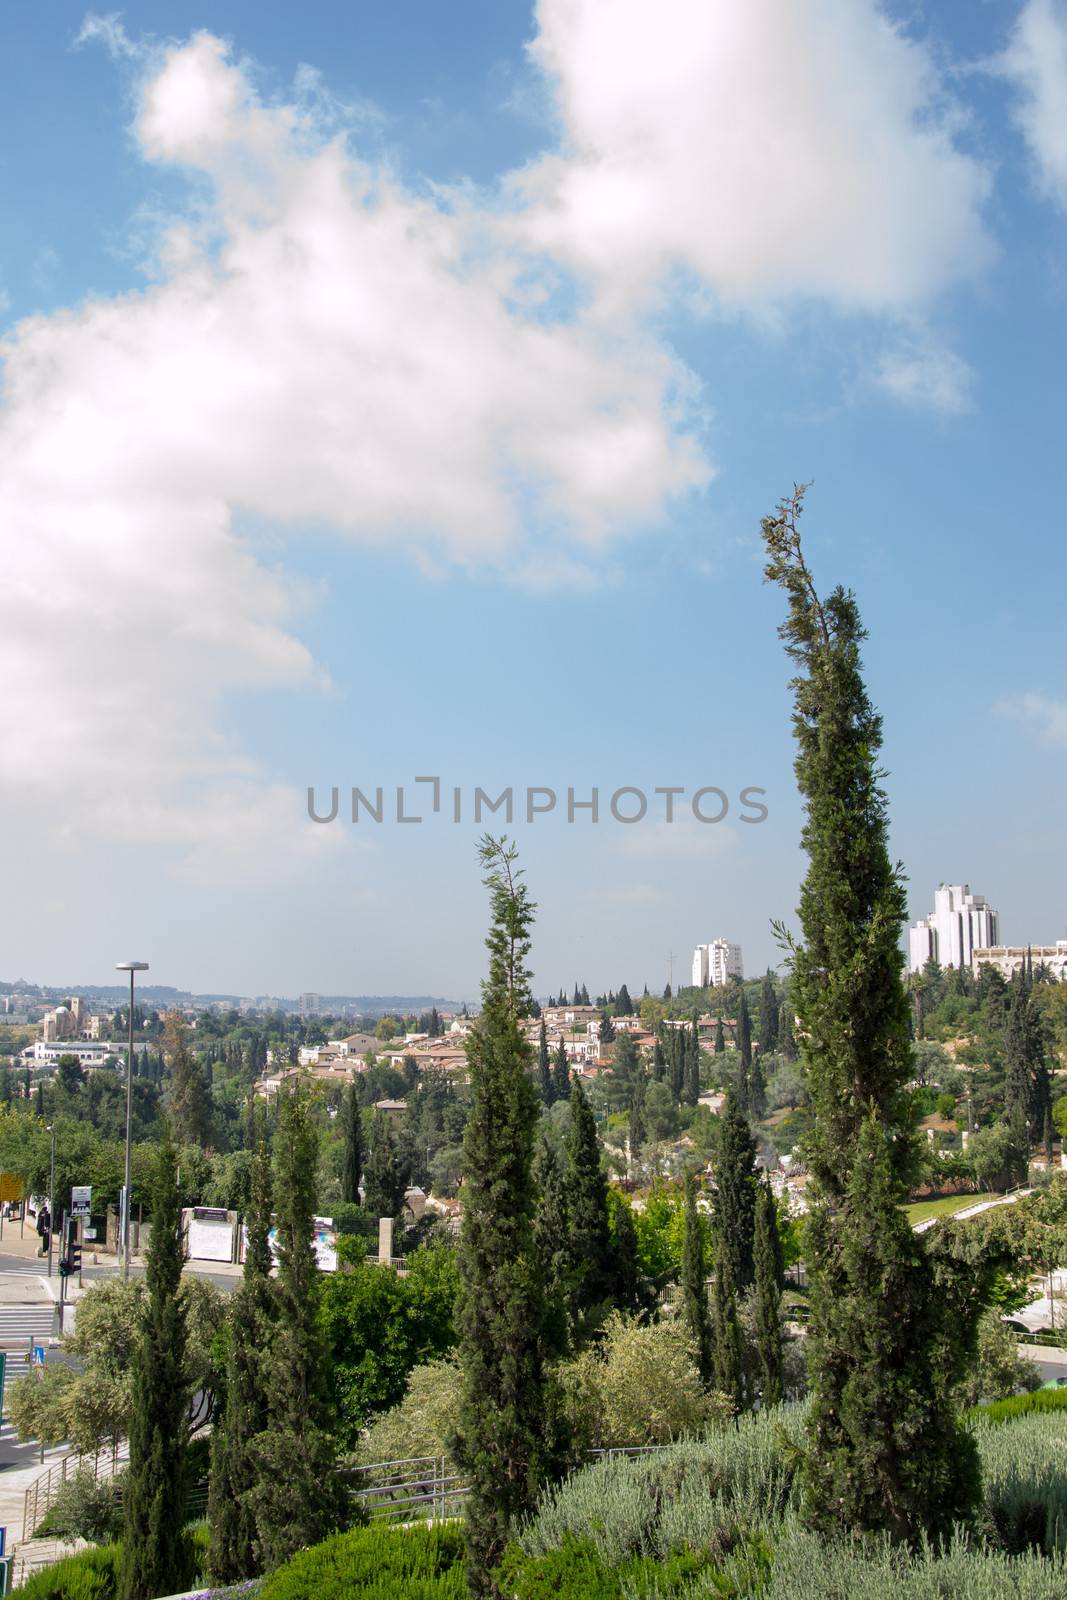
column 395, row 391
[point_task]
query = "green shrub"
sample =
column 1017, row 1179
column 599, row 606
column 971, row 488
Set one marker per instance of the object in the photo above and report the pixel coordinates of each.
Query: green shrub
column 579, row 1571
column 697, row 1495
column 377, row 1564
column 804, row 1568
column 1019, row 1405
column 1024, row 1479
column 90, row 1575
column 84, row 1508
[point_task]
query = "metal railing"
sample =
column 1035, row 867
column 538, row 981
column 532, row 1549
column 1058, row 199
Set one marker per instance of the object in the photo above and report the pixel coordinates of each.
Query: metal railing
column 430, row 1486
column 40, row 1495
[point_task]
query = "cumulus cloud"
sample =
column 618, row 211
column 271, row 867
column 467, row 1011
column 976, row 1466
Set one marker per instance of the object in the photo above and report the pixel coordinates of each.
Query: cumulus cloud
column 770, row 151
column 1036, row 61
column 319, row 347
column 1048, row 717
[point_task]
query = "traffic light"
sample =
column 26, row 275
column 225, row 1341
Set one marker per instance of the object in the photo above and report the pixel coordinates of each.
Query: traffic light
column 70, row 1260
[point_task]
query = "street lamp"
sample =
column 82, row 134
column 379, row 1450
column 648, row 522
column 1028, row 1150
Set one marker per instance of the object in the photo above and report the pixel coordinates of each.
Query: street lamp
column 131, row 967
column 52, row 1197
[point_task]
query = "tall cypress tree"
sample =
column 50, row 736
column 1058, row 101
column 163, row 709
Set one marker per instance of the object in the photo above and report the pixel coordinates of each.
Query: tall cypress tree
column 744, row 1045
column 728, row 1357
column 188, row 1096
column 352, row 1159
column 156, row 1555
column 587, row 1204
column 769, row 1331
column 387, row 1170
column 888, row 1335
column 694, row 1286
column 234, row 1548
column 552, row 1241
column 638, row 1130
column 786, row 1044
column 767, row 1037
column 735, row 1193
column 502, row 1435
column 691, row 1067
column 561, row 1073
column 296, row 1497
column 720, row 1037
column 544, row 1068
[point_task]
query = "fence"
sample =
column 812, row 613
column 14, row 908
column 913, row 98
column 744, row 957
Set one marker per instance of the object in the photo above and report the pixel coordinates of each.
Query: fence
column 430, row 1486
column 41, row 1493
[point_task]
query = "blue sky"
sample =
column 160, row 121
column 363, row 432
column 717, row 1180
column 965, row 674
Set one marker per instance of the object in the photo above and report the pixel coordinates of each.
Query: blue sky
column 397, row 390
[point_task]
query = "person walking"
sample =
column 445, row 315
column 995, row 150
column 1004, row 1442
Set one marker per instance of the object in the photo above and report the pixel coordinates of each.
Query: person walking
column 44, row 1228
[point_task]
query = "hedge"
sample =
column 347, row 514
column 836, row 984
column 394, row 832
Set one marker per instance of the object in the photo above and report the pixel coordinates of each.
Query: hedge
column 1017, row 1405
column 377, row 1564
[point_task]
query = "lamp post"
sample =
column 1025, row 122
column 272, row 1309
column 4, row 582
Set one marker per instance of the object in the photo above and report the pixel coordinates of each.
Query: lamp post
column 51, row 1197
column 131, row 967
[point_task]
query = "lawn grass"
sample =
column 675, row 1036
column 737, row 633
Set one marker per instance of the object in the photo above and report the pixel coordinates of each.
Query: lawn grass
column 922, row 1210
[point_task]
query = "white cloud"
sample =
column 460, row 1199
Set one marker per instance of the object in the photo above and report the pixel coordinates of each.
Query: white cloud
column 770, row 150
column 321, row 347
column 1048, row 717
column 1036, row 60
column 928, row 376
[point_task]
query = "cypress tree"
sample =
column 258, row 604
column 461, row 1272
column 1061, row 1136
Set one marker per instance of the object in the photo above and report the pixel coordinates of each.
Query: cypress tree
column 767, row 1037
column 544, row 1068
column 729, row 1360
column 630, row 1287
column 587, row 1205
column 768, row 1296
column 503, row 1442
column 638, row 1130
column 234, row 1548
column 659, row 1061
column 888, row 1334
column 552, row 1242
column 296, row 1497
column 757, row 1087
column 786, row 1044
column 720, row 1038
column 156, row 1556
column 735, row 1193
column 386, row 1174
column 561, row 1073
column 744, row 1045
column 624, row 1006
column 675, row 1063
column 1018, row 1086
column 352, row 1162
column 694, row 1286
column 691, row 1064
column 606, row 1030
column 188, row 1096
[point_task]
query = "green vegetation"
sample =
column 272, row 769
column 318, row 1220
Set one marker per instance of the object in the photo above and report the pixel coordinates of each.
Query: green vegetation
column 946, row 1206
column 157, row 1558
column 889, row 1335
column 504, row 1442
column 375, row 1564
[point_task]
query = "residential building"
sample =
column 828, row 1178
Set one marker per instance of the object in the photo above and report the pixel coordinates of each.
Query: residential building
column 1009, row 958
column 960, row 923
column 716, row 964
column 308, row 1005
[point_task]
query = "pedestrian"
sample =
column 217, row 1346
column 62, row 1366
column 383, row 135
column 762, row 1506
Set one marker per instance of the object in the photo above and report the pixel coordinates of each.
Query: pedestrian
column 44, row 1228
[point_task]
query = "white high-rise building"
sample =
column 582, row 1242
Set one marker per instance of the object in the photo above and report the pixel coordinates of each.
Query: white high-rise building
column 715, row 964
column 960, row 924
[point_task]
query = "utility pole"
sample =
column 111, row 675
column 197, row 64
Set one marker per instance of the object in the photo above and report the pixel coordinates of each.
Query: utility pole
column 131, row 967
column 52, row 1198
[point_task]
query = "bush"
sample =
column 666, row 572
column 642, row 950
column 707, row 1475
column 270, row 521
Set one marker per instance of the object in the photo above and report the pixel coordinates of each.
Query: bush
column 84, row 1508
column 578, row 1571
column 377, row 1564
column 805, row 1568
column 1024, row 1478
column 1018, row 1405
column 638, row 1385
column 422, row 1423
column 705, row 1496
column 998, row 1370
column 91, row 1575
